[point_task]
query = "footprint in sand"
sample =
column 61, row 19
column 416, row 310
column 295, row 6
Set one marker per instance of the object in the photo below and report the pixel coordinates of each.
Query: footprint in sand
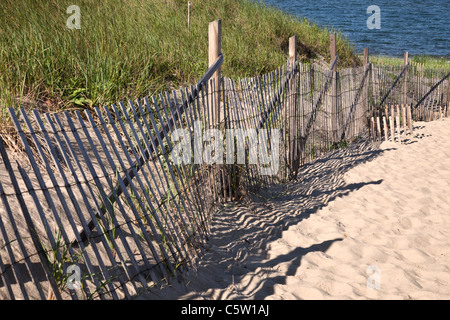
column 405, row 223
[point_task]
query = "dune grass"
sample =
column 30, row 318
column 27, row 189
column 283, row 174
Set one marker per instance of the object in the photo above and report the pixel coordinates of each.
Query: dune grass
column 425, row 61
column 131, row 48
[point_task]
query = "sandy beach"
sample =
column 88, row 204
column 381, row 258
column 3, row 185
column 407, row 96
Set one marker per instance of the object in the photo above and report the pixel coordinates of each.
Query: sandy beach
column 371, row 221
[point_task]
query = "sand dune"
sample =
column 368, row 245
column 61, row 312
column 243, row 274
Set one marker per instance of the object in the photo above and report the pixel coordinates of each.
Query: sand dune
column 368, row 222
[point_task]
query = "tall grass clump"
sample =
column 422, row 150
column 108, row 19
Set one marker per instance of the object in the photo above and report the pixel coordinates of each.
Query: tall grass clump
column 131, row 48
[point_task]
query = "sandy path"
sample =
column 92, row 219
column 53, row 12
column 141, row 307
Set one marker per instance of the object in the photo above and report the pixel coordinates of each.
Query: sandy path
column 362, row 223
column 396, row 233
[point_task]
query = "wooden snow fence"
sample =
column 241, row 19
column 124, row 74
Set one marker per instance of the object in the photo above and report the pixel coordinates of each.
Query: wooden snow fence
column 98, row 208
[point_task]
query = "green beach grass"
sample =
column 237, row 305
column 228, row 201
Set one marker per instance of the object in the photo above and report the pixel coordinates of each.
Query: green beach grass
column 429, row 62
column 132, row 48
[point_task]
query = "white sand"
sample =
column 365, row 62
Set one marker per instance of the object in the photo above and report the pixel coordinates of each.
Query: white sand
column 358, row 214
column 365, row 213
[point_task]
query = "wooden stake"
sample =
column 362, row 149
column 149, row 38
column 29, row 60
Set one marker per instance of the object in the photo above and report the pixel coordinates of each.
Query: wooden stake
column 366, row 56
column 385, row 129
column 292, row 49
column 378, row 128
column 405, row 81
column 397, row 120
column 404, row 119
column 374, row 134
column 366, row 85
column 334, row 111
column 189, row 17
column 292, row 105
column 372, row 127
column 215, row 50
column 333, row 50
column 391, row 123
column 409, row 115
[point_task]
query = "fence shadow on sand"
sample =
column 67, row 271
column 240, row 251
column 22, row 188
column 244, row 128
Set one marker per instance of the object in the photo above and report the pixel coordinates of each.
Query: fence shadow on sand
column 240, row 235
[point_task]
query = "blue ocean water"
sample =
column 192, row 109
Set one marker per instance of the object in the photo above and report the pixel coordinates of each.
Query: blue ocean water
column 419, row 27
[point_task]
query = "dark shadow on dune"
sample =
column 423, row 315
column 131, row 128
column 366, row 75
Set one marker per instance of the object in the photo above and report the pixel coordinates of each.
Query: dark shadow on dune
column 240, row 233
column 293, row 258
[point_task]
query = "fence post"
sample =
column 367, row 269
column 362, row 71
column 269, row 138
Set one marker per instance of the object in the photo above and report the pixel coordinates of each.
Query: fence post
column 334, row 104
column 293, row 132
column 215, row 50
column 366, row 56
column 333, row 50
column 409, row 116
column 189, row 17
column 292, row 49
column 366, row 85
column 405, row 80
